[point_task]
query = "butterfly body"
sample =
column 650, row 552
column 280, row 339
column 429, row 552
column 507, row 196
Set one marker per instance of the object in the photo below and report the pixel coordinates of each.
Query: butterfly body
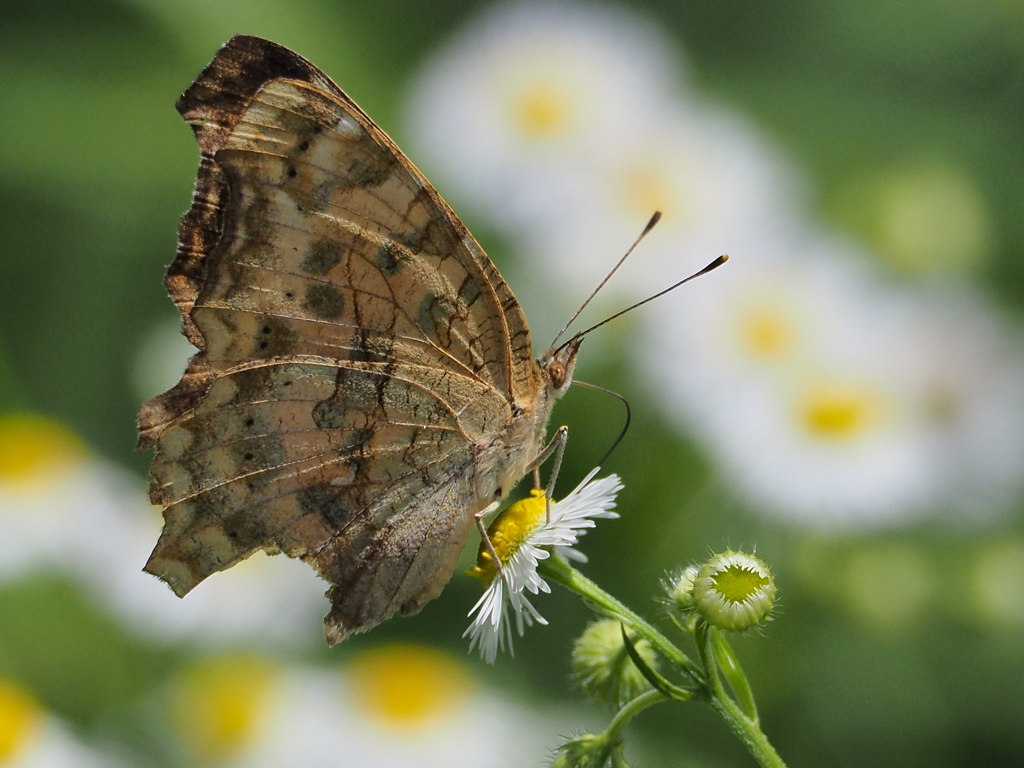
column 364, row 383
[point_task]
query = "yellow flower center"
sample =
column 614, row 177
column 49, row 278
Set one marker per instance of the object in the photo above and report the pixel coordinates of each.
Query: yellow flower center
column 219, row 705
column 541, row 111
column 646, row 190
column 33, row 446
column 738, row 584
column 839, row 412
column 408, row 686
column 766, row 332
column 508, row 532
column 20, row 720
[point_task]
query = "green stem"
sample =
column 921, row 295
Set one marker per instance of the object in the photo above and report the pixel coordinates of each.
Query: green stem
column 731, row 670
column 631, row 710
column 746, row 729
column 571, row 579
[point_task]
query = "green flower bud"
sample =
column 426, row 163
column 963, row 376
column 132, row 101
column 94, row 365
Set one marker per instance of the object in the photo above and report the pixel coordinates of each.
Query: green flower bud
column 587, row 750
column 734, row 591
column 680, row 589
column 601, row 663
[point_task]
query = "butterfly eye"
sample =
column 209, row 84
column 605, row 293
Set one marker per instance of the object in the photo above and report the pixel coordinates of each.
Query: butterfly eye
column 497, row 494
column 557, row 374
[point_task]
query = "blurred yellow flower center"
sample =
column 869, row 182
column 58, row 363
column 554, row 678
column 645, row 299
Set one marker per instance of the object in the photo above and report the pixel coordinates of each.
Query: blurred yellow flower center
column 20, row 720
column 508, row 532
column 766, row 332
column 33, row 446
column 220, row 705
column 839, row 412
column 541, row 111
column 408, row 685
column 646, row 190
column 738, row 584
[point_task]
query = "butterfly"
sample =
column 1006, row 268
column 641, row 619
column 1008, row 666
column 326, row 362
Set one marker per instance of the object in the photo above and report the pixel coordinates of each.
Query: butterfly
column 365, row 382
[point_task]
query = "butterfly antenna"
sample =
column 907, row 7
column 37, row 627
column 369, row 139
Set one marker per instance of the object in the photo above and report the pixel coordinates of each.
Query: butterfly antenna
column 625, row 427
column 713, row 265
column 650, row 225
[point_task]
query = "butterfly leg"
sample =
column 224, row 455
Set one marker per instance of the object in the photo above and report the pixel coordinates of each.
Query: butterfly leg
column 557, row 447
column 482, row 527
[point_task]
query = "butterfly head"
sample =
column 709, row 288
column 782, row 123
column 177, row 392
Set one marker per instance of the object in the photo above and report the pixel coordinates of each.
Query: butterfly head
column 557, row 365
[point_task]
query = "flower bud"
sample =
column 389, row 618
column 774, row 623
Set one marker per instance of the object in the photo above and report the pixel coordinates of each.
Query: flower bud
column 734, row 591
column 587, row 750
column 601, row 663
column 680, row 589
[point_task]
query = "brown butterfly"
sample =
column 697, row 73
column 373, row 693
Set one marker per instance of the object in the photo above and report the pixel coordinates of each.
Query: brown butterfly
column 365, row 383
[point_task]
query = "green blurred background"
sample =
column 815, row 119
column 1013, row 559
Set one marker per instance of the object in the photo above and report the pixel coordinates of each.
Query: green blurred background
column 96, row 167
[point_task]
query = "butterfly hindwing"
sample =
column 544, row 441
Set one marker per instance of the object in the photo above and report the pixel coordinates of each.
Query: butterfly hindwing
column 356, row 348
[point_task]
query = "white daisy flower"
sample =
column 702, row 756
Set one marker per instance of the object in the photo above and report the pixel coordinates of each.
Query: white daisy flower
column 30, row 737
column 970, row 375
column 522, row 535
column 65, row 510
column 216, row 709
column 263, row 601
column 44, row 478
column 275, row 600
column 797, row 375
column 505, row 116
column 720, row 189
column 60, row 506
column 396, row 704
column 835, row 400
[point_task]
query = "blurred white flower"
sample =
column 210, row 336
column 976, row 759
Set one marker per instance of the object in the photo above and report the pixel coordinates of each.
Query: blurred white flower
column 262, row 601
column 507, row 116
column 46, row 483
column 834, row 400
column 970, row 369
column 794, row 374
column 391, row 705
column 30, row 737
column 720, row 189
column 63, row 510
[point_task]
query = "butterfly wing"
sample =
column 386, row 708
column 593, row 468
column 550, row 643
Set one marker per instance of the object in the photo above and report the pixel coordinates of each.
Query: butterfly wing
column 356, row 349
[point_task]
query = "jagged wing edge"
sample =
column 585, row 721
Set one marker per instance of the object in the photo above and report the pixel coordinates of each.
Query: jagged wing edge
column 213, row 105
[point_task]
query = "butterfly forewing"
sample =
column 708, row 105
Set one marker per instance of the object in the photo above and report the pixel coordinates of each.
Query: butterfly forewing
column 359, row 351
